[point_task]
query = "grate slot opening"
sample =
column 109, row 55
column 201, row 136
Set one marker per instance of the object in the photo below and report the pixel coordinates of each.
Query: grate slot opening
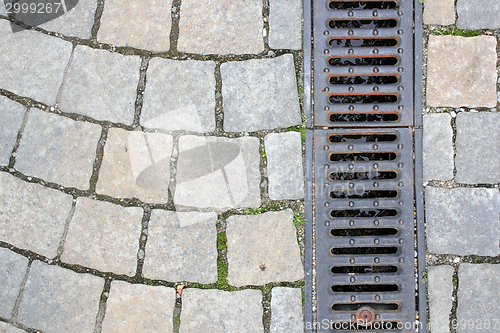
column 378, row 79
column 363, row 117
column 357, row 306
column 364, row 232
column 363, row 157
column 363, row 269
column 363, row 99
column 364, row 288
column 372, row 175
column 362, row 4
column 362, row 42
column 365, row 24
column 366, row 61
column 364, row 213
column 366, row 326
column 370, row 194
column 362, row 138
column 364, row 250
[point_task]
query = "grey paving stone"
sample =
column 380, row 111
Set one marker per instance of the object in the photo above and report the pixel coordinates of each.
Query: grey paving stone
column 463, row 221
column 438, row 147
column 12, row 271
column 440, row 297
column 101, row 84
column 285, row 24
column 139, row 308
column 221, row 27
column 478, row 14
column 478, row 148
column 58, row 149
column 136, row 164
column 104, row 236
column 217, row 311
column 141, row 24
column 175, row 99
column 2, row 9
column 439, row 12
column 260, row 94
column 59, row 300
column 478, row 298
column 286, row 310
column 8, row 328
column 33, row 216
column 181, row 247
column 284, row 165
column 217, row 172
column 263, row 248
column 32, row 64
column 471, row 80
column 12, row 114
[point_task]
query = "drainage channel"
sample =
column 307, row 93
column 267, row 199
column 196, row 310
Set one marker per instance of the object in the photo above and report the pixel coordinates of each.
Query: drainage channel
column 364, row 233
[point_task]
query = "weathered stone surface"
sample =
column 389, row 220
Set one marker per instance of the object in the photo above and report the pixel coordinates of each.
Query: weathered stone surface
column 263, row 248
column 104, row 236
column 285, row 24
column 478, row 14
column 33, row 216
column 101, row 84
column 479, row 297
column 177, row 99
column 217, row 311
column 58, row 149
column 478, row 148
column 438, row 147
column 2, row 9
column 439, row 12
column 286, row 310
column 221, row 27
column 139, row 308
column 463, row 221
column 181, row 247
column 218, row 172
column 136, row 164
column 32, row 64
column 12, row 271
column 284, row 165
column 260, row 94
column 12, row 114
column 143, row 24
column 8, row 328
column 471, row 80
column 59, row 300
column 440, row 297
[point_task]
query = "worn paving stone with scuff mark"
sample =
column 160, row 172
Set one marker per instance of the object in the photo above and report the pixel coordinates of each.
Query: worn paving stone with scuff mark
column 286, row 310
column 262, row 249
column 285, row 24
column 58, row 149
column 438, row 147
column 440, row 294
column 101, row 84
column 439, row 12
column 139, row 308
column 218, row 311
column 8, row 328
column 12, row 114
column 33, row 216
column 143, row 24
column 180, row 95
column 104, row 236
column 59, row 300
column 478, row 14
column 136, row 164
column 181, row 246
column 12, row 271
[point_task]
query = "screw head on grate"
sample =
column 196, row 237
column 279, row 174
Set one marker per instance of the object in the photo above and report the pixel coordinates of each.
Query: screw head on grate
column 365, row 316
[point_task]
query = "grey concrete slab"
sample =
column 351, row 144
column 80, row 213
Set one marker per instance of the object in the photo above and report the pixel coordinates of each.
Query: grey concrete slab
column 471, row 80
column 221, row 27
column 139, row 308
column 104, row 236
column 478, row 298
column 260, row 94
column 181, row 247
column 59, row 300
column 136, row 164
column 217, row 311
column 12, row 115
column 478, row 14
column 463, row 221
column 58, row 149
column 263, row 248
column 219, row 173
column 478, row 148
column 438, row 147
column 8, row 328
column 143, row 24
column 285, row 24
column 286, row 310
column 439, row 12
column 284, row 165
column 32, row 64
column 12, row 271
column 179, row 95
column 101, row 84
column 3, row 11
column 33, row 216
column 440, row 297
